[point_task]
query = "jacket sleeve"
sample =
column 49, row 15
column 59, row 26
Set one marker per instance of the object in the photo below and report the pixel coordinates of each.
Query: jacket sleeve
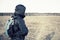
column 23, row 29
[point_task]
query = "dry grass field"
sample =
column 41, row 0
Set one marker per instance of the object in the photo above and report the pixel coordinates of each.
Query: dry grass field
column 40, row 27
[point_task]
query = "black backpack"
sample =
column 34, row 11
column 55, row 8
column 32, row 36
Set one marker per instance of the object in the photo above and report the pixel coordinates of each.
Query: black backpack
column 13, row 29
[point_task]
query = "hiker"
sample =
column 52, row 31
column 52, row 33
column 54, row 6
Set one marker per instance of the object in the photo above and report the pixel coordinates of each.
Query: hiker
column 15, row 27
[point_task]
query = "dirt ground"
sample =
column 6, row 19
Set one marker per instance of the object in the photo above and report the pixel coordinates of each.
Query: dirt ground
column 40, row 27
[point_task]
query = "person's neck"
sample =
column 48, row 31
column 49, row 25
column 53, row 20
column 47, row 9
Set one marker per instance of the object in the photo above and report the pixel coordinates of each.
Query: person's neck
column 22, row 16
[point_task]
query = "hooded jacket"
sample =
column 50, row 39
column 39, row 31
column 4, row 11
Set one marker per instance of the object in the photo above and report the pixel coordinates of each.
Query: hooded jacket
column 18, row 17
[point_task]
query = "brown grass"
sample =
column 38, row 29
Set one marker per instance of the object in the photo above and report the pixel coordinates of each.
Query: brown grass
column 39, row 26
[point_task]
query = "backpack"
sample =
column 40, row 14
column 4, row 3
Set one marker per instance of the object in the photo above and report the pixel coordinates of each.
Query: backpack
column 13, row 28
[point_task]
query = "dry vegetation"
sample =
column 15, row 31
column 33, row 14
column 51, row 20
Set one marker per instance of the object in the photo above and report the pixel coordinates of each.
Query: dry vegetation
column 40, row 27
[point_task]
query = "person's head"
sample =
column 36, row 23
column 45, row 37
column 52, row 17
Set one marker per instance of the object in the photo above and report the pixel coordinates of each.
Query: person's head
column 20, row 9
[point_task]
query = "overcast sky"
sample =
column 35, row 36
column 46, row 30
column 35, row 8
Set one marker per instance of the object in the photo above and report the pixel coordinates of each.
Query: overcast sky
column 40, row 6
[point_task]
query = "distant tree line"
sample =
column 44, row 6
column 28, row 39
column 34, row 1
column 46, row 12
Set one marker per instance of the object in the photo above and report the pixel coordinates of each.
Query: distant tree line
column 33, row 14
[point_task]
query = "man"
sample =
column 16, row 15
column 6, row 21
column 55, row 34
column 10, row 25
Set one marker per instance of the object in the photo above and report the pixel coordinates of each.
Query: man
column 15, row 27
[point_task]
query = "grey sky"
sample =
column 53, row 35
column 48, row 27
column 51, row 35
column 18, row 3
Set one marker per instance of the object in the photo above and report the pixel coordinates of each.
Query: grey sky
column 40, row 6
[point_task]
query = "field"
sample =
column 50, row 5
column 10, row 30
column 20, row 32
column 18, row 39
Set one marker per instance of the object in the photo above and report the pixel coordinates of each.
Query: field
column 40, row 27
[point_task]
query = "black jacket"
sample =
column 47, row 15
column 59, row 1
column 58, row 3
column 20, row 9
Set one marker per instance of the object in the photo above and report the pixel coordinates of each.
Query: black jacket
column 22, row 29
